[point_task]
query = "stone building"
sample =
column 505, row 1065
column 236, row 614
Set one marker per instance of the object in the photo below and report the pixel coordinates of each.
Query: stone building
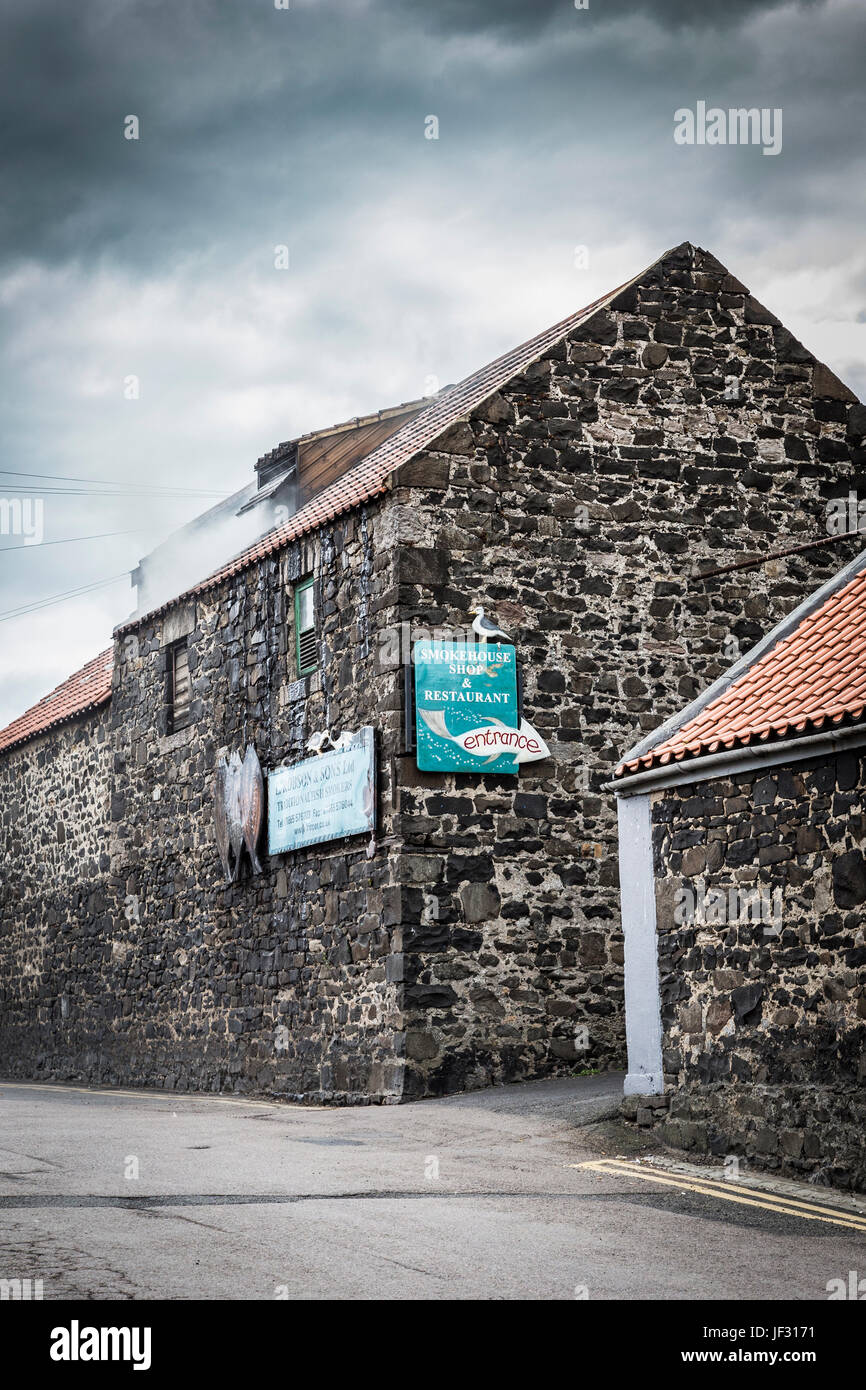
column 576, row 487
column 742, row 836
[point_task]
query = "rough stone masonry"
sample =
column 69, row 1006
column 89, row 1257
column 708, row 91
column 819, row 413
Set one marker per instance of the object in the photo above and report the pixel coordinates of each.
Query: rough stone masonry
column 763, row 1030
column 477, row 939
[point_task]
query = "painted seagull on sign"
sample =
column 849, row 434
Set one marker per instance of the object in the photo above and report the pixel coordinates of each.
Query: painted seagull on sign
column 318, row 743
column 484, row 628
column 496, row 740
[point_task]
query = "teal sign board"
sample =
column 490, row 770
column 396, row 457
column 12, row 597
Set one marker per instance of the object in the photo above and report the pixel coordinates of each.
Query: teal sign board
column 466, row 707
column 323, row 798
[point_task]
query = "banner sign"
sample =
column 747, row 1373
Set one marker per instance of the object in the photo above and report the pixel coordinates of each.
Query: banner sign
column 466, row 709
column 323, row 798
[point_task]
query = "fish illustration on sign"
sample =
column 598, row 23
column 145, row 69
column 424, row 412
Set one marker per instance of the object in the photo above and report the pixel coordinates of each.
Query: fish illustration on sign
column 220, row 819
column 251, row 799
column 233, row 808
column 492, row 740
column 238, row 810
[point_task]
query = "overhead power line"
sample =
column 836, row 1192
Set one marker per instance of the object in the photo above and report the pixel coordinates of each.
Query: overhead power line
column 61, row 598
column 67, row 540
column 114, row 482
column 103, row 492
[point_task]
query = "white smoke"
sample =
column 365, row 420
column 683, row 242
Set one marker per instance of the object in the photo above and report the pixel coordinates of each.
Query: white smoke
column 197, row 550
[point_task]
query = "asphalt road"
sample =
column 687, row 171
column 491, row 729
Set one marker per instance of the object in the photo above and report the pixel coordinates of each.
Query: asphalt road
column 143, row 1195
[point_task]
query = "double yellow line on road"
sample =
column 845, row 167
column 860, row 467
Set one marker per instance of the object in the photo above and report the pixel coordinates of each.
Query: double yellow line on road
column 726, row 1191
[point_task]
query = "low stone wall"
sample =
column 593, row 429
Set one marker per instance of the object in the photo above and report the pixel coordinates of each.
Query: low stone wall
column 811, row 1132
column 760, row 893
column 504, row 980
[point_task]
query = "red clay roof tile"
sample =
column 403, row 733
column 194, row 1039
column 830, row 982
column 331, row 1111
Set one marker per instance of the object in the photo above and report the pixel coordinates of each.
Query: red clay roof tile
column 816, row 674
column 89, row 687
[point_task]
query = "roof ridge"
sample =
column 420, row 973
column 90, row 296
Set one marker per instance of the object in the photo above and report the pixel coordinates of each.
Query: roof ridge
column 370, row 476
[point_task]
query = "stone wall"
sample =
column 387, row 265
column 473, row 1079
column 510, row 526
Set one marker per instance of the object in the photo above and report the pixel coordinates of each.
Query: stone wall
column 282, row 983
column 578, row 504
column 480, row 941
column 54, row 896
column 764, row 1001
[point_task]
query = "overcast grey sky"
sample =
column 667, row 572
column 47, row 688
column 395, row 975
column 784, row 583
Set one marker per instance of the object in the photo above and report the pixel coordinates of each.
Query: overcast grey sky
column 408, row 257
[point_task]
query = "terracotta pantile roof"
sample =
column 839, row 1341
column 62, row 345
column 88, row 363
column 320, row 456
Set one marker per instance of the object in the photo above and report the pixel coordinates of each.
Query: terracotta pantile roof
column 89, row 687
column 812, row 678
column 371, row 476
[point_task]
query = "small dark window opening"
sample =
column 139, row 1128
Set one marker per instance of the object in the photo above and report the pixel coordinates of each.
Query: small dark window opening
column 409, row 708
column 305, row 627
column 178, row 687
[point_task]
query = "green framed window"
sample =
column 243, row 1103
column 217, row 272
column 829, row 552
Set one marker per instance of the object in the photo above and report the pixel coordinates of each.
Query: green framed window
column 305, row 627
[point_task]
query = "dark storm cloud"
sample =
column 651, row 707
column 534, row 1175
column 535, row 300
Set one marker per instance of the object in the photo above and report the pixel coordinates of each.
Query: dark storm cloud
column 247, row 111
column 526, row 15
column 409, row 257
